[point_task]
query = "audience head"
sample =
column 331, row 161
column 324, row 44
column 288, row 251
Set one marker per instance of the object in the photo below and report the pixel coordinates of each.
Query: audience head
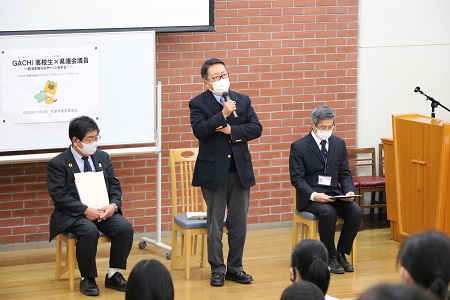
column 387, row 291
column 149, row 280
column 304, row 290
column 309, row 262
column 424, row 259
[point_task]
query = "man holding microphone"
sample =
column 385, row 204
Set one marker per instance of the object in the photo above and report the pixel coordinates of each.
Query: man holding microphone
column 224, row 121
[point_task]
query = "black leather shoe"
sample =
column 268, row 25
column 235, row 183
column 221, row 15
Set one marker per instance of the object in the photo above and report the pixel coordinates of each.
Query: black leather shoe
column 344, row 263
column 239, row 277
column 217, row 279
column 89, row 287
column 116, row 282
column 335, row 266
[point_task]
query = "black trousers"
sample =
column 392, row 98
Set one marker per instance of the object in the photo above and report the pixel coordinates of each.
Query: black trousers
column 115, row 227
column 234, row 198
column 328, row 214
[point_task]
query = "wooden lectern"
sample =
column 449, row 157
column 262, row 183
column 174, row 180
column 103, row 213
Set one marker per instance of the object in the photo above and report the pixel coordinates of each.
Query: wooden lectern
column 422, row 173
column 391, row 187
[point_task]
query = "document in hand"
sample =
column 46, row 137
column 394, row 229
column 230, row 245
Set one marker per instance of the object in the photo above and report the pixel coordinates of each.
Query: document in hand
column 92, row 189
column 344, row 196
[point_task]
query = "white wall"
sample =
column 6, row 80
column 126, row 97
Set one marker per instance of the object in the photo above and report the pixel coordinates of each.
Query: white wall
column 402, row 44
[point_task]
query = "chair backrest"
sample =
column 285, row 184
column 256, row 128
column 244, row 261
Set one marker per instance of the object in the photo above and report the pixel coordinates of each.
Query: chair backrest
column 381, row 159
column 362, row 161
column 185, row 197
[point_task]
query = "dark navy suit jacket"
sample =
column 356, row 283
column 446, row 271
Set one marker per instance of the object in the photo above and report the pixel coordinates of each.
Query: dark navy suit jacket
column 62, row 189
column 216, row 148
column 306, row 163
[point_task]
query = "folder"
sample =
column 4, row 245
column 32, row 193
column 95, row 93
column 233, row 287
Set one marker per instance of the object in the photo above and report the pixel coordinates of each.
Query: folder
column 92, row 189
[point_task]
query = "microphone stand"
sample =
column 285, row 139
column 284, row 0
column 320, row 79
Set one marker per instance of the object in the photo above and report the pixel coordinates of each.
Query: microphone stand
column 434, row 103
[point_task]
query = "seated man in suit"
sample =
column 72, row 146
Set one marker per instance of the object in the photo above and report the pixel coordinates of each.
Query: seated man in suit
column 73, row 216
column 318, row 166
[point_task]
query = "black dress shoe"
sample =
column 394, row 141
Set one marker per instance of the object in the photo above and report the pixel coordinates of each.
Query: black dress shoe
column 89, row 287
column 239, row 277
column 344, row 263
column 335, row 266
column 116, row 282
column 217, row 279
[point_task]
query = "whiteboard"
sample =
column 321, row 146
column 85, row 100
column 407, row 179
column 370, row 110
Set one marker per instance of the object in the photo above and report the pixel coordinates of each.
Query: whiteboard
column 48, row 15
column 127, row 79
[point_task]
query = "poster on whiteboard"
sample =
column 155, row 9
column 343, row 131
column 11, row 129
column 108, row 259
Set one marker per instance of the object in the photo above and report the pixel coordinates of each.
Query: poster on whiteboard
column 49, row 85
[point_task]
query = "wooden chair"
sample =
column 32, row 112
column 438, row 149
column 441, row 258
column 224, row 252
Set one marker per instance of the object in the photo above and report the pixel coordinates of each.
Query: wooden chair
column 185, row 198
column 71, row 258
column 310, row 225
column 363, row 168
column 381, row 170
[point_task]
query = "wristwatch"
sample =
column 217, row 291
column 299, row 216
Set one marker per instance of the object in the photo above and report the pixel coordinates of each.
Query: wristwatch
column 117, row 208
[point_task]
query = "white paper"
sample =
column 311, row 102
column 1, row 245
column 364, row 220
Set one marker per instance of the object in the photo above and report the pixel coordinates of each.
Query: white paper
column 92, row 189
column 196, row 215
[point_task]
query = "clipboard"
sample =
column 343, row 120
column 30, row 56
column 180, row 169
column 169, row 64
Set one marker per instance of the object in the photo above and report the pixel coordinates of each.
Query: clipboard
column 92, row 189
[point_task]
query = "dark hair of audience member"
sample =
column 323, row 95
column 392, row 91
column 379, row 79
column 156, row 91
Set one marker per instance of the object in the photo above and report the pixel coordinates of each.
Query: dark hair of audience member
column 386, row 291
column 426, row 257
column 303, row 290
column 310, row 259
column 149, row 280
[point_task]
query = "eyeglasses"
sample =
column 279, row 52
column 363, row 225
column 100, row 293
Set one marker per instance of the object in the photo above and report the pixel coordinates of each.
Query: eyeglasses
column 219, row 77
column 325, row 128
column 92, row 139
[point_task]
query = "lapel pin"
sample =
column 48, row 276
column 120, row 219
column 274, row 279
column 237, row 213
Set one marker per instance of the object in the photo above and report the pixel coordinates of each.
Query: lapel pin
column 70, row 165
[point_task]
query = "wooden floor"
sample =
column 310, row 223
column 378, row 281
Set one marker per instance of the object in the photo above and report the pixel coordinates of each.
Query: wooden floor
column 28, row 274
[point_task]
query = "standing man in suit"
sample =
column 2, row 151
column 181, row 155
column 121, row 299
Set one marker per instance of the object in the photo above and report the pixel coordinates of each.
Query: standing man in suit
column 84, row 222
column 318, row 166
column 224, row 169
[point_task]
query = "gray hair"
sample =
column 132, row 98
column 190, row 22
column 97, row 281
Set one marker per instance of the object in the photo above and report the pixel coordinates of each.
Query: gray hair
column 322, row 112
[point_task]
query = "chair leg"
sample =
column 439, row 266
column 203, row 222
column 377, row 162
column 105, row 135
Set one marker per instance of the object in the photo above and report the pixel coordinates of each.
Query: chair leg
column 187, row 254
column 295, row 233
column 182, row 244
column 382, row 196
column 174, row 251
column 372, row 202
column 353, row 253
column 305, row 231
column 313, row 230
column 71, row 258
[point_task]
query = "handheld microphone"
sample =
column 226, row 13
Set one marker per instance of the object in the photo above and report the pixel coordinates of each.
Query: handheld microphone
column 226, row 95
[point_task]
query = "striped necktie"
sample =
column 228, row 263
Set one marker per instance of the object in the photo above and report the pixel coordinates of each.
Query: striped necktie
column 323, row 149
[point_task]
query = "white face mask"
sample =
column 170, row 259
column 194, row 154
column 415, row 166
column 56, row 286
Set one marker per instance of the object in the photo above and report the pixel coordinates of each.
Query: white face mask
column 88, row 149
column 323, row 134
column 220, row 86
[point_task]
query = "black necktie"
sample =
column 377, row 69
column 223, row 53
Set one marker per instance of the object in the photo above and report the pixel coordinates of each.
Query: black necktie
column 87, row 165
column 323, row 149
